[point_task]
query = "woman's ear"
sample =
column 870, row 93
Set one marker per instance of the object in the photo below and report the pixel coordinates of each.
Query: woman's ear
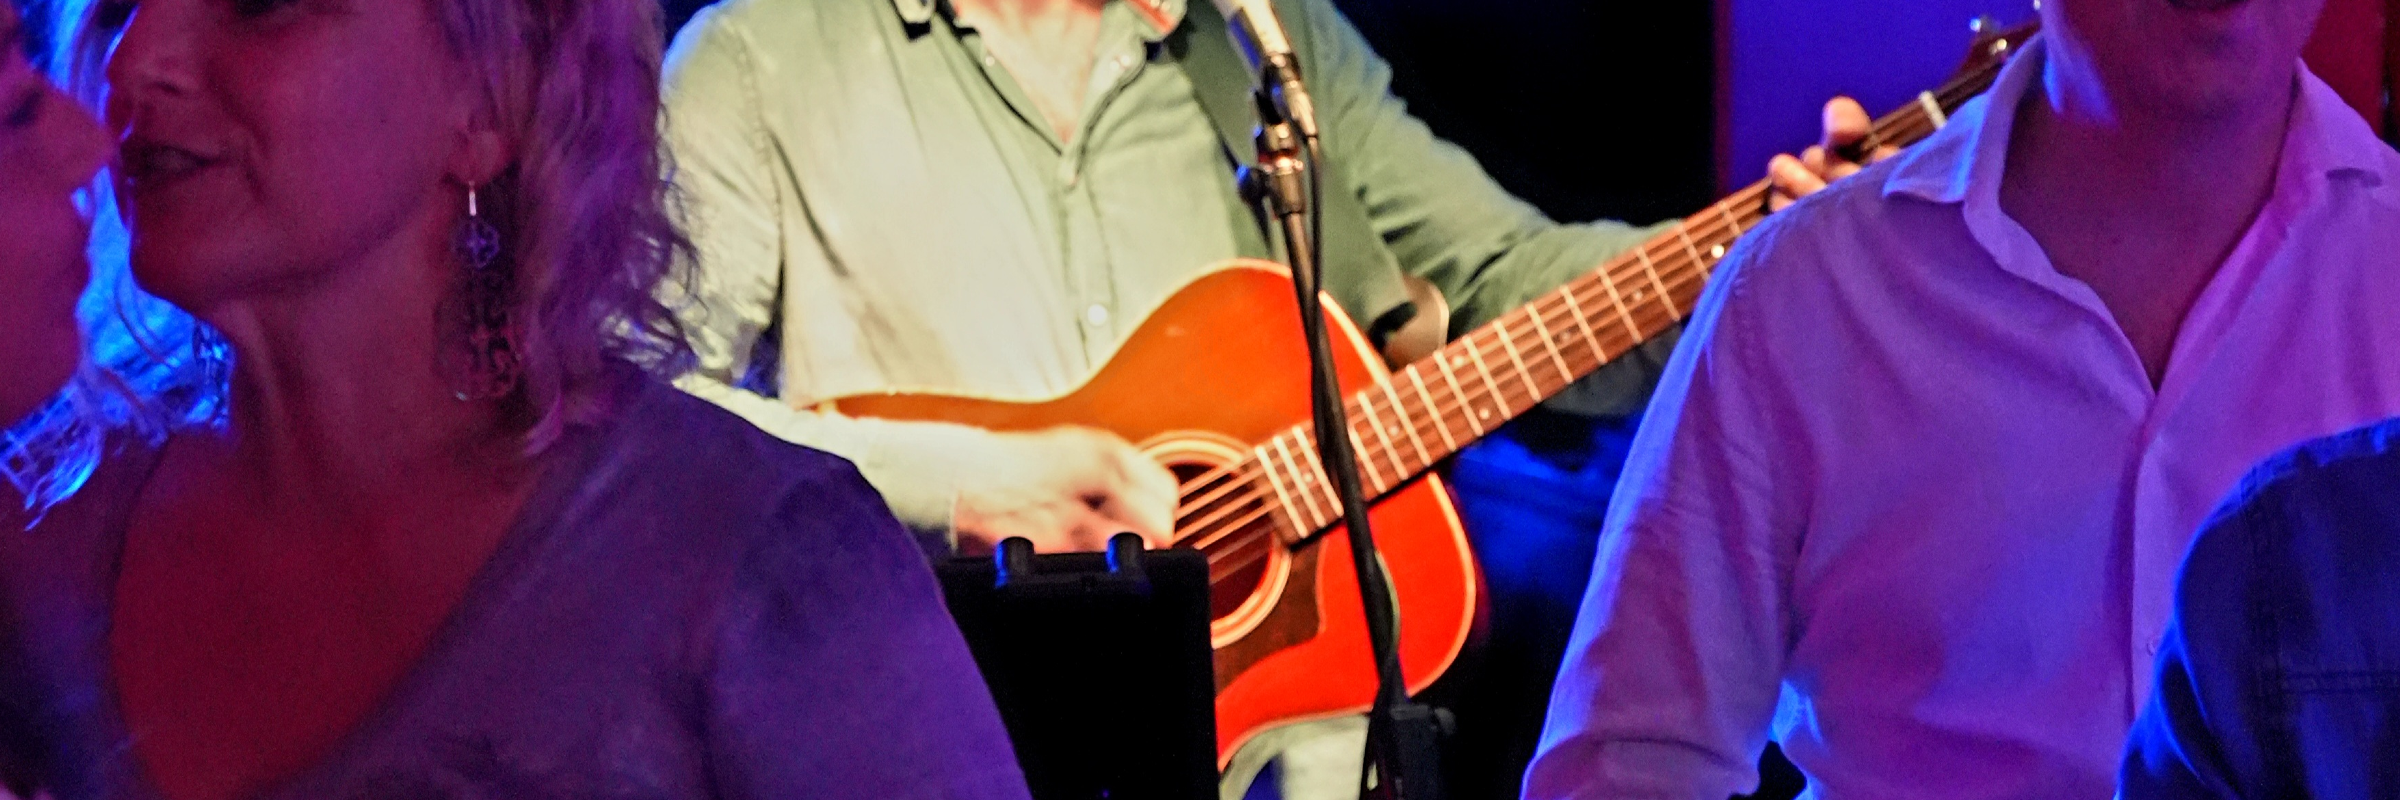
column 482, row 151
column 481, row 156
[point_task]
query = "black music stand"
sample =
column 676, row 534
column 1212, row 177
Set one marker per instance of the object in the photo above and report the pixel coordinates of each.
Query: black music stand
column 1101, row 666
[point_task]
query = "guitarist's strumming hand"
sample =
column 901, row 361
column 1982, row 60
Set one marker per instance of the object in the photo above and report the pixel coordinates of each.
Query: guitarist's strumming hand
column 1846, row 124
column 1067, row 489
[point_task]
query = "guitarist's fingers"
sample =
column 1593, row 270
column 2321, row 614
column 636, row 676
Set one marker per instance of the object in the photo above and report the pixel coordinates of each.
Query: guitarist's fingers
column 1155, row 488
column 1050, row 526
column 1846, row 123
column 1142, row 501
column 1093, row 528
column 1792, row 180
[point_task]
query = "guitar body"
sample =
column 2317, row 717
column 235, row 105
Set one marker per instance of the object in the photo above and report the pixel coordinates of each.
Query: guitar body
column 1217, row 370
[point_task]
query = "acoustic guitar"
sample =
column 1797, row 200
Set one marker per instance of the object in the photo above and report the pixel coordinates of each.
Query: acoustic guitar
column 1214, row 386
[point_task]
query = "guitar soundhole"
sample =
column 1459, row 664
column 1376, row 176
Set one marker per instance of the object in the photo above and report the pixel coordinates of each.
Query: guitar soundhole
column 1237, row 557
column 1229, row 513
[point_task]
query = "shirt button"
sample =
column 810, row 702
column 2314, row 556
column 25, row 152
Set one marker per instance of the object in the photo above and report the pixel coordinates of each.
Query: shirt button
column 1095, row 315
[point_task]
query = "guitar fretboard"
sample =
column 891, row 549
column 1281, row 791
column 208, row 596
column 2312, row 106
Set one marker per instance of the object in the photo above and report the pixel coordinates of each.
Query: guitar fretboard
column 1421, row 414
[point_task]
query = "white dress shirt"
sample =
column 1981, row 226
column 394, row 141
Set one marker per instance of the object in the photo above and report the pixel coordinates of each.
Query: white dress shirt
column 1912, row 488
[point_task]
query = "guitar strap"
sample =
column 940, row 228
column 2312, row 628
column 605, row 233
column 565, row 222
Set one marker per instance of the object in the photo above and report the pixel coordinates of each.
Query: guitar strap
column 1361, row 273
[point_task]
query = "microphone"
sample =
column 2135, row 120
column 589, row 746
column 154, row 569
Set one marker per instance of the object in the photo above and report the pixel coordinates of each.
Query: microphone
column 1271, row 52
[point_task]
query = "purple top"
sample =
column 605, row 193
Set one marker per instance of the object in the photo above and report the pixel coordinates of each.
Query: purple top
column 687, row 608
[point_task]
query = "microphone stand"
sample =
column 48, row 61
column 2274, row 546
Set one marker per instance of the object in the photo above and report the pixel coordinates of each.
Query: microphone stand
column 1403, row 737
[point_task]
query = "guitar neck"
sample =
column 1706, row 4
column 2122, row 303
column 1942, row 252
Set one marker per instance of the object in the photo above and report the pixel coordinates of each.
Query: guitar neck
column 1425, row 412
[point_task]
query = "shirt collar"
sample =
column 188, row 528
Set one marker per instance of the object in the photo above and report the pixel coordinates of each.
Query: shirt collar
column 1162, row 15
column 2326, row 138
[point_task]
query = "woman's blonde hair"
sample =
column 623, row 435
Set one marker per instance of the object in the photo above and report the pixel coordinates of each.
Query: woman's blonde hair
column 586, row 214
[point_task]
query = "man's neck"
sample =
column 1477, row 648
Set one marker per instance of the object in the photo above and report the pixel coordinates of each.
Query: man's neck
column 1047, row 45
column 1022, row 14
column 2142, row 205
column 2123, row 158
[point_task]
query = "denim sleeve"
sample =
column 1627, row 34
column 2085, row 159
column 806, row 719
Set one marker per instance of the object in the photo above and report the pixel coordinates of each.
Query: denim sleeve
column 2199, row 736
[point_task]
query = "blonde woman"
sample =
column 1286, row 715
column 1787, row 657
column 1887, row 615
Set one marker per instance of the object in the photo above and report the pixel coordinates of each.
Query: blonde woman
column 449, row 536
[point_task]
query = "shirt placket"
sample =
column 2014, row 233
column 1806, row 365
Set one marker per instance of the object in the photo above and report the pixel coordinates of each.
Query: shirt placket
column 2128, row 382
column 1091, row 269
column 2156, row 550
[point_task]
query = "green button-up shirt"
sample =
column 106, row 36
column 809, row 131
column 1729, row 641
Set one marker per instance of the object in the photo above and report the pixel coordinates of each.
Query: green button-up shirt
column 866, row 173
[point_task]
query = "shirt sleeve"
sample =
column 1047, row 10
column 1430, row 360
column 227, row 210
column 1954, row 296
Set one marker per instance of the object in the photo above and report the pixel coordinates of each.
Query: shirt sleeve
column 2195, row 738
column 1445, row 219
column 727, row 170
column 1675, row 664
column 836, row 671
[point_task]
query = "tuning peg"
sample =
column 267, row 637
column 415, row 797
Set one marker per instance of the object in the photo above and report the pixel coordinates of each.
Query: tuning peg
column 1983, row 24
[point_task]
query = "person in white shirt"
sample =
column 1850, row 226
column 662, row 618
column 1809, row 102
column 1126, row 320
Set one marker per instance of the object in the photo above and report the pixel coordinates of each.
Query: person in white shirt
column 1912, row 495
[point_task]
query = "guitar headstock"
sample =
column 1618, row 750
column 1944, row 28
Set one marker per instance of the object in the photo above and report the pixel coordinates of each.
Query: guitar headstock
column 1993, row 47
column 1994, row 43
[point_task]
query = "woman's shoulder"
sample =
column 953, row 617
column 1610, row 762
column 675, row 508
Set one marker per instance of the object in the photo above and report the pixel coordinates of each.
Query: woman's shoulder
column 720, row 477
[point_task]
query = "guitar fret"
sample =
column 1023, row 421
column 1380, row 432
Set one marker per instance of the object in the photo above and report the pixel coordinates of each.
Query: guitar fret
column 1475, row 354
column 1300, row 487
column 1410, row 428
column 1549, row 342
column 1312, row 477
column 1684, row 232
column 1592, row 339
column 1524, row 376
column 1368, row 476
column 1933, row 110
column 1320, row 484
column 1433, row 411
column 1624, row 314
column 1441, row 358
column 1734, row 231
column 1370, row 482
column 1390, row 453
column 1651, row 269
column 1283, row 499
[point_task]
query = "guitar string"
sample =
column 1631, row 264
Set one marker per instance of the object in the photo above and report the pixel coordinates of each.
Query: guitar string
column 1902, row 126
column 1362, row 401
column 1593, row 354
column 1225, row 559
column 1902, row 131
column 1553, row 304
column 1658, row 316
column 1248, row 550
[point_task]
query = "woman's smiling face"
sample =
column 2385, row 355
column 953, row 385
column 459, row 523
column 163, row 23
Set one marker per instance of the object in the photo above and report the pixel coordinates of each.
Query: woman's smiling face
column 264, row 141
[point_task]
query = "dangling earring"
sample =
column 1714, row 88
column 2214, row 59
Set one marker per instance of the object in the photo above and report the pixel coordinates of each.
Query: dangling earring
column 483, row 364
column 213, row 357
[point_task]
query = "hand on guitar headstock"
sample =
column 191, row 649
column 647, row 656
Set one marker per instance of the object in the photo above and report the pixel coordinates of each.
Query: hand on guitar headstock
column 1835, row 156
column 1851, row 140
column 1068, row 489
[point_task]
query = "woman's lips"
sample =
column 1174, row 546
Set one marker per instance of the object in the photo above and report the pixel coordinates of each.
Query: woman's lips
column 150, row 165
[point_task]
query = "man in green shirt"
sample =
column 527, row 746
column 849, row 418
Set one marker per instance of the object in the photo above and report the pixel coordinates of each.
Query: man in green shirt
column 984, row 197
